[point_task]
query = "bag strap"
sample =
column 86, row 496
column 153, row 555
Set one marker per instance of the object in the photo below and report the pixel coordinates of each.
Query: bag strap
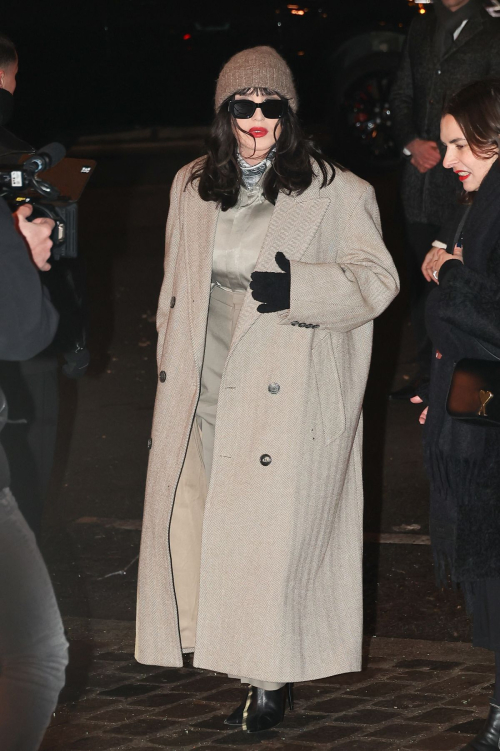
column 459, row 230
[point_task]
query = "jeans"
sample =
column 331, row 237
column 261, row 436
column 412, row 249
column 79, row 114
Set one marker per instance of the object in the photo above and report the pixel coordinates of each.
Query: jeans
column 33, row 649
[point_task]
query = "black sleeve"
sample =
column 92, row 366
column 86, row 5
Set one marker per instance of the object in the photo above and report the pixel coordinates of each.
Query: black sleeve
column 470, row 302
column 402, row 99
column 28, row 320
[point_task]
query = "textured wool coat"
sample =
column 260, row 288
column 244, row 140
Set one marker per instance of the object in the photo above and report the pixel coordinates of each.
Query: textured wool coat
column 422, row 87
column 280, row 583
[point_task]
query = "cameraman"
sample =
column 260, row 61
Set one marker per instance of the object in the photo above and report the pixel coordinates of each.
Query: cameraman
column 33, row 649
column 32, row 386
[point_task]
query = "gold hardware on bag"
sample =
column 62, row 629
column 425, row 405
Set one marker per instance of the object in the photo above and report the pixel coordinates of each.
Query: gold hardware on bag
column 485, row 397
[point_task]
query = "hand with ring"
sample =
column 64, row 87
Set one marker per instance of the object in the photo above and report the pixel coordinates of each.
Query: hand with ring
column 435, row 259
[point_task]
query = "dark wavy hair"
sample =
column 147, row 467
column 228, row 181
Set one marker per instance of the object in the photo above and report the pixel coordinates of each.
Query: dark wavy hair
column 219, row 175
column 476, row 108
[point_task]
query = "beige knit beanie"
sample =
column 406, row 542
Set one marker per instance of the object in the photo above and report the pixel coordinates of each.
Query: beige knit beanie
column 256, row 67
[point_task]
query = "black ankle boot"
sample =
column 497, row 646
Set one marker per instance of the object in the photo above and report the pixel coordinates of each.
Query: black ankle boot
column 236, row 717
column 264, row 709
column 489, row 738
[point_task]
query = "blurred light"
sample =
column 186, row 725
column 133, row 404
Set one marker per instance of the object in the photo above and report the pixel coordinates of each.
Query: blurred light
column 325, row 15
column 297, row 12
column 300, row 53
column 421, row 10
column 186, row 37
column 293, row 6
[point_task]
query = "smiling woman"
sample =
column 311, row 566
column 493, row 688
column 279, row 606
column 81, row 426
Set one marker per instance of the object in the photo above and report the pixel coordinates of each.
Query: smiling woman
column 463, row 321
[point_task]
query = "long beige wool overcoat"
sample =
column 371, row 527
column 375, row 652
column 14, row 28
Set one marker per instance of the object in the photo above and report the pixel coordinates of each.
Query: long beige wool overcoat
column 280, row 584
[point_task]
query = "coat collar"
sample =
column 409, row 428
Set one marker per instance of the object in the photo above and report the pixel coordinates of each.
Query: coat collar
column 294, row 222
column 473, row 26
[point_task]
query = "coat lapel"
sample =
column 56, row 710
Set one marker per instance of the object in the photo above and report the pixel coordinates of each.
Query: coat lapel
column 200, row 224
column 471, row 28
column 294, row 222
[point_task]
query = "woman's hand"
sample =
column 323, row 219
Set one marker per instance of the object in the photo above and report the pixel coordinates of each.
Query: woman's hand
column 272, row 288
column 435, row 259
column 423, row 415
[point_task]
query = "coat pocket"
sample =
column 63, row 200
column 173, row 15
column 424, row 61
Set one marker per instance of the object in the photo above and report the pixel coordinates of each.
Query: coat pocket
column 329, row 391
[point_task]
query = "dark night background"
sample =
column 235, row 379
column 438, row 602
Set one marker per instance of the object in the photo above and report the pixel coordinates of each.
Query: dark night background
column 93, row 66
column 130, row 83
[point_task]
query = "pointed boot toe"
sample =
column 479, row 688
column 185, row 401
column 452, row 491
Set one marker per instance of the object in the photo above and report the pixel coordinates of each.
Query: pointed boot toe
column 236, row 717
column 489, row 737
column 265, row 709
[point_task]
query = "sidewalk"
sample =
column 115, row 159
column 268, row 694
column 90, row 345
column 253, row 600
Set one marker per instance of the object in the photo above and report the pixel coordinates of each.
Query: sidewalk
column 412, row 694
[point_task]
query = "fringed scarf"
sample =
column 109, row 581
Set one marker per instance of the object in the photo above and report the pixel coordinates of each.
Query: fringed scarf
column 463, row 460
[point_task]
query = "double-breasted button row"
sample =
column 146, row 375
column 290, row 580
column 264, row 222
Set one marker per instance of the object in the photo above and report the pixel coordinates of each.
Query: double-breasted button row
column 162, row 376
column 265, row 460
column 172, row 302
column 303, row 325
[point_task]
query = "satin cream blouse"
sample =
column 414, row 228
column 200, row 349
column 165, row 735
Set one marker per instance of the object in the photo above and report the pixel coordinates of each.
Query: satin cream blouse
column 238, row 239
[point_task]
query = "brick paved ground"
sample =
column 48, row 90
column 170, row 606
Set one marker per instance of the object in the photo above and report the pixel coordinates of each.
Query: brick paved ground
column 428, row 696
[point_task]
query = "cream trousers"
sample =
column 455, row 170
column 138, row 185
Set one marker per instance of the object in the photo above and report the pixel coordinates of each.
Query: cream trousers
column 187, row 516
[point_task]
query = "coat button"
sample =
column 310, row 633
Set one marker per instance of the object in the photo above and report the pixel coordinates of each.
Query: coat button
column 163, row 376
column 172, row 302
column 265, row 460
column 302, row 325
column 294, row 323
column 273, row 388
column 315, row 325
column 150, row 443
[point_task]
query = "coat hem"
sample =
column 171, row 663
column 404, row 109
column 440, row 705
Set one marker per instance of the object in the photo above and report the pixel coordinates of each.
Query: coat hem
column 353, row 667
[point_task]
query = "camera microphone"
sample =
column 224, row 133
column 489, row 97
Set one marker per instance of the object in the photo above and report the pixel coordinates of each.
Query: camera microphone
column 45, row 157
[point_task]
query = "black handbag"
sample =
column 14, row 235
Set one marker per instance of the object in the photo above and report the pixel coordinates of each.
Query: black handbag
column 474, row 393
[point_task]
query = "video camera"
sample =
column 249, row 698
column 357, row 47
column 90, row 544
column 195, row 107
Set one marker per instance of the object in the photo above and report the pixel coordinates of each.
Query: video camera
column 22, row 183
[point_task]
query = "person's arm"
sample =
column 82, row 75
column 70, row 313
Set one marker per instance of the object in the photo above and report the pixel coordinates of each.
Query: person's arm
column 401, row 98
column 28, row 320
column 470, row 301
column 424, row 155
column 356, row 288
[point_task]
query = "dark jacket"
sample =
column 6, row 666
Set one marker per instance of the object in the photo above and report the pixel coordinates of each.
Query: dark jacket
column 28, row 320
column 463, row 320
column 423, row 85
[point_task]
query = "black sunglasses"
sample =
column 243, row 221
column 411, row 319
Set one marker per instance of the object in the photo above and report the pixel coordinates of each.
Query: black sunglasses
column 272, row 109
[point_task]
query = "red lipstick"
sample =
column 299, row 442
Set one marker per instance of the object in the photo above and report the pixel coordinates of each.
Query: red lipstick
column 461, row 177
column 258, row 132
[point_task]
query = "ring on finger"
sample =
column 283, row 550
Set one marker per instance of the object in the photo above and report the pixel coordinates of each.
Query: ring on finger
column 435, row 274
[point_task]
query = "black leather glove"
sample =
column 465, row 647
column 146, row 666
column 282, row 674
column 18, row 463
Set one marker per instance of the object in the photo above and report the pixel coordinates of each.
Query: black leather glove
column 272, row 288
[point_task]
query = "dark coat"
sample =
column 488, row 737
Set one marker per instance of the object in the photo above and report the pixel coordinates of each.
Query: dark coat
column 422, row 86
column 463, row 318
column 28, row 320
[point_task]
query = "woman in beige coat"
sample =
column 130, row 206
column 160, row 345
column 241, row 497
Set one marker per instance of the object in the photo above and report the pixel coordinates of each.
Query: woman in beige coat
column 252, row 536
